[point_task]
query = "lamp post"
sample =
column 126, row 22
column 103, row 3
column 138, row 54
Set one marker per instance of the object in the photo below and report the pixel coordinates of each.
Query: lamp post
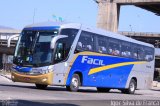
column 130, row 27
column 34, row 13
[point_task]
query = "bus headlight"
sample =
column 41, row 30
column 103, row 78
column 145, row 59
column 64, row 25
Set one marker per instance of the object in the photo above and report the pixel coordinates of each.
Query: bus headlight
column 40, row 71
column 47, row 71
column 36, row 71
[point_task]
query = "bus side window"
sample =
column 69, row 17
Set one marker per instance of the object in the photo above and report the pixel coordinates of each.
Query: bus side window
column 135, row 52
column 149, row 54
column 138, row 52
column 85, row 42
column 126, row 50
column 114, row 48
column 64, row 45
column 101, row 44
column 60, row 51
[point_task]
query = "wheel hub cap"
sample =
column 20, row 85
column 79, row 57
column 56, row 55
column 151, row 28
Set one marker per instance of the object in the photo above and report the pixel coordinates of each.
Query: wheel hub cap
column 75, row 82
column 132, row 86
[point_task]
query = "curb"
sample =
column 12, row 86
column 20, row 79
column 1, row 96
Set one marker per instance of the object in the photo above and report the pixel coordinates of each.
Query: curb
column 5, row 76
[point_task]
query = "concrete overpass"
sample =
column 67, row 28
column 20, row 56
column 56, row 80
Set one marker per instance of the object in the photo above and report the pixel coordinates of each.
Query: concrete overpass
column 109, row 10
column 6, row 52
column 4, row 35
column 152, row 38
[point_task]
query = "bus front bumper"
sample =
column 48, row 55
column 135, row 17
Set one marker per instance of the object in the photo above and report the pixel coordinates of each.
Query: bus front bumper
column 45, row 79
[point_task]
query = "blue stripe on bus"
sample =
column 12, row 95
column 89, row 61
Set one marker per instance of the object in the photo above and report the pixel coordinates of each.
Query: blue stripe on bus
column 111, row 78
column 42, row 28
column 23, row 69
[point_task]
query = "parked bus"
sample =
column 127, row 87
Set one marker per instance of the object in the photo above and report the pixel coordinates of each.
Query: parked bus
column 73, row 55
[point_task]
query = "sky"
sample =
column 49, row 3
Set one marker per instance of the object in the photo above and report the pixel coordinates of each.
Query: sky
column 19, row 13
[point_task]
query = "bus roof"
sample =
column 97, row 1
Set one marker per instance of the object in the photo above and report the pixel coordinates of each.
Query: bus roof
column 86, row 28
column 54, row 24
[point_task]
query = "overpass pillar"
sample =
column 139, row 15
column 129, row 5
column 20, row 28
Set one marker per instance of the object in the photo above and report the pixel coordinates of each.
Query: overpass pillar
column 108, row 15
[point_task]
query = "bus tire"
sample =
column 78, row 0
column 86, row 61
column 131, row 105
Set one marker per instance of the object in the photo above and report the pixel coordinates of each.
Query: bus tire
column 131, row 89
column 75, row 83
column 41, row 86
column 103, row 89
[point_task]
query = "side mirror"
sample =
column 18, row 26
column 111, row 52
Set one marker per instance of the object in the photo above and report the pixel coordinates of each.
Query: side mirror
column 54, row 40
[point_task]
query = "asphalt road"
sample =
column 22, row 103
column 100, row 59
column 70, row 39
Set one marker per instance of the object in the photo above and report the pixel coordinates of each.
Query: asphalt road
column 22, row 94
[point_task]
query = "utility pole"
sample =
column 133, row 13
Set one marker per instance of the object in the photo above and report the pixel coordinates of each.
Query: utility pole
column 34, row 13
column 131, row 28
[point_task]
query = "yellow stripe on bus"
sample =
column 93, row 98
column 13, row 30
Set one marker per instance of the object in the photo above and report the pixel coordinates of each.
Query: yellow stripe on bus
column 99, row 69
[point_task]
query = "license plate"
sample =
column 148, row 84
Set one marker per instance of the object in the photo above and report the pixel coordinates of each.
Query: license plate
column 27, row 79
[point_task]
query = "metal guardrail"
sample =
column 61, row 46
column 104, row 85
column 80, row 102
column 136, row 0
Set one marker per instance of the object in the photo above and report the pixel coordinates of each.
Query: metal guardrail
column 6, row 36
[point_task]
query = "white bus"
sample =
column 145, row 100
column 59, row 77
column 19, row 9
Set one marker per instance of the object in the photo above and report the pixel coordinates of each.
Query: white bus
column 73, row 55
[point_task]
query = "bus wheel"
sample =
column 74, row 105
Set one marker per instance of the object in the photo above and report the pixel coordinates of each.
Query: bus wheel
column 103, row 89
column 131, row 89
column 40, row 86
column 75, row 83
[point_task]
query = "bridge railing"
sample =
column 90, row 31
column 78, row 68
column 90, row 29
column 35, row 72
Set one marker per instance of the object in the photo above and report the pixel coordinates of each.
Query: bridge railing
column 146, row 34
column 4, row 38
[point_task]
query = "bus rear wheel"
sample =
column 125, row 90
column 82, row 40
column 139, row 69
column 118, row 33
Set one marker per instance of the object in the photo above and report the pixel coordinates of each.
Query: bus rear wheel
column 41, row 86
column 103, row 89
column 132, row 87
column 75, row 83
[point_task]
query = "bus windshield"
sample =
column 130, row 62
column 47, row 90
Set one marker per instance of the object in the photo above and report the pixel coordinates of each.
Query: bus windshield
column 33, row 48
